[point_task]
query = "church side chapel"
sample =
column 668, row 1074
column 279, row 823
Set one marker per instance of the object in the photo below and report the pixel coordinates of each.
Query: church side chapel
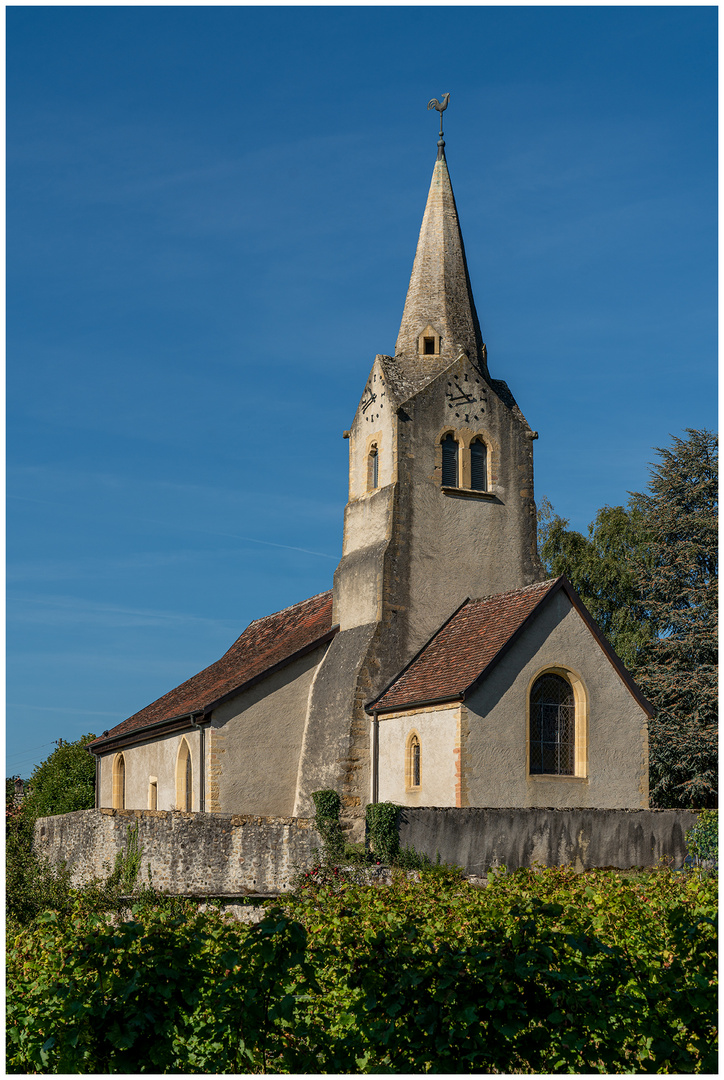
column 440, row 669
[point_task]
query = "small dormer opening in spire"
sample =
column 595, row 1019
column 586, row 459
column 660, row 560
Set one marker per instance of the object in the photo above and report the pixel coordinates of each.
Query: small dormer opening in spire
column 429, row 341
column 439, row 292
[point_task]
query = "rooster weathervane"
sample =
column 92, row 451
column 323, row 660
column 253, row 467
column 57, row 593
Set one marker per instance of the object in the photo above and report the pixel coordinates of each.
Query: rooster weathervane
column 440, row 106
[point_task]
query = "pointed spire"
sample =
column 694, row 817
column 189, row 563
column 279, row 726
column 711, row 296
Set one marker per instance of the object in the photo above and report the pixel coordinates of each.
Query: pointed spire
column 439, row 305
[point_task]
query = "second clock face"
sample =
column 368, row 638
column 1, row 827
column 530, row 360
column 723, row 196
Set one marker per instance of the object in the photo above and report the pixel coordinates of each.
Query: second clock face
column 466, row 396
column 373, row 399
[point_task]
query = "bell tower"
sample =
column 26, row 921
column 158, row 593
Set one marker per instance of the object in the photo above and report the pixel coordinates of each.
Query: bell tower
column 440, row 503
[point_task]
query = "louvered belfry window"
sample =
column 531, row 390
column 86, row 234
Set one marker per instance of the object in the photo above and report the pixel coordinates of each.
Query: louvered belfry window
column 552, row 726
column 449, row 462
column 478, row 466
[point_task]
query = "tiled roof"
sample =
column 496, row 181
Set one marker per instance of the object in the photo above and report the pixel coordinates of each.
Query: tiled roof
column 462, row 648
column 266, row 643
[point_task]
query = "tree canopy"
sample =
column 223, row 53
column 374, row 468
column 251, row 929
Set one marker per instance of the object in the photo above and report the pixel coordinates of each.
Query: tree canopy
column 65, row 781
column 648, row 574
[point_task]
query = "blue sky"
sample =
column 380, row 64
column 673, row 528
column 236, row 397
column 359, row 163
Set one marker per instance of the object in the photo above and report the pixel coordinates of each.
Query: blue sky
column 212, row 216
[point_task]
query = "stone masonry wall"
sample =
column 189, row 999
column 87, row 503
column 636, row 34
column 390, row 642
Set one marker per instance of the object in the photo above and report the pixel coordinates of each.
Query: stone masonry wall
column 195, row 854
column 189, row 853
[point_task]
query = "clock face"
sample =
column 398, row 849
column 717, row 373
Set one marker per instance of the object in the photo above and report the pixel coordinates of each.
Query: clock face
column 373, row 399
column 466, row 396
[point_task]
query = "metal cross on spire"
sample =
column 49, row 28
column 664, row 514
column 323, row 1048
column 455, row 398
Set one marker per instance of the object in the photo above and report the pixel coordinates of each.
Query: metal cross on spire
column 440, row 106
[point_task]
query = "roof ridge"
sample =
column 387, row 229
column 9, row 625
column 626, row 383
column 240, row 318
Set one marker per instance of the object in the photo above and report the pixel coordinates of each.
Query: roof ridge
column 273, row 614
column 513, row 592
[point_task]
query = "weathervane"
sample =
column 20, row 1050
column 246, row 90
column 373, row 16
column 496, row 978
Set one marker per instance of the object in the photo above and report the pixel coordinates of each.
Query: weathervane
column 440, row 106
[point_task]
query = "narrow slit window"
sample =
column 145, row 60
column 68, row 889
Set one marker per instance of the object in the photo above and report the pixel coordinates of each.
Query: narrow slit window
column 552, row 726
column 413, row 764
column 153, row 795
column 478, row 466
column 373, row 468
column 189, row 784
column 449, row 462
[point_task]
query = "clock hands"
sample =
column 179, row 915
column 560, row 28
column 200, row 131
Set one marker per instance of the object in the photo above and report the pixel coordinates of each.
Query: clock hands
column 366, row 404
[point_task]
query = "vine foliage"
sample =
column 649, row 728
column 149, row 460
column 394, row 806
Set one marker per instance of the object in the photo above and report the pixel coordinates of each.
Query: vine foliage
column 382, row 830
column 327, row 805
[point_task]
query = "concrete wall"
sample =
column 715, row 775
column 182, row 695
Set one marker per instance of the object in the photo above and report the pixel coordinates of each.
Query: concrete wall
column 479, row 839
column 438, row 729
column 189, row 854
column 612, row 727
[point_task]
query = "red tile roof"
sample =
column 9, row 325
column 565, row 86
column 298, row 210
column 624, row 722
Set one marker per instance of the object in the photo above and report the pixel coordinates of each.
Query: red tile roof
column 265, row 644
column 462, row 648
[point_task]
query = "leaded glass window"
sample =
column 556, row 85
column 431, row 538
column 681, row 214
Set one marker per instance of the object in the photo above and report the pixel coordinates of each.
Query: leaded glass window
column 413, row 765
column 552, row 726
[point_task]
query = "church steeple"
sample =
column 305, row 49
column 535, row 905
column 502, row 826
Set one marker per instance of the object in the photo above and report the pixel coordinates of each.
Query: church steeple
column 439, row 319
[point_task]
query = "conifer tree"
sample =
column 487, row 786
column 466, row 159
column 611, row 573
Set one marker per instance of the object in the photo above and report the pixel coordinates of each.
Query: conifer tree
column 677, row 576
column 648, row 575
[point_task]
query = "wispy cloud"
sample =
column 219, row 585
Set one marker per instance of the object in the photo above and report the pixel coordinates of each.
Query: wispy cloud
column 66, row 610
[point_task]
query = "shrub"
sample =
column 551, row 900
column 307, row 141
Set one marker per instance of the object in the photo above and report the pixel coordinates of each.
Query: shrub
column 702, row 841
column 327, row 805
column 381, row 819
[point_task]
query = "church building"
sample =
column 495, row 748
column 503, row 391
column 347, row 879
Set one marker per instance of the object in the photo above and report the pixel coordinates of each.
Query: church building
column 441, row 669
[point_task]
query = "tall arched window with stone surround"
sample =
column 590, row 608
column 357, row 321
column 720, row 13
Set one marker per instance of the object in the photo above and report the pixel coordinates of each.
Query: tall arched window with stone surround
column 184, row 778
column 450, row 466
column 119, row 782
column 552, row 726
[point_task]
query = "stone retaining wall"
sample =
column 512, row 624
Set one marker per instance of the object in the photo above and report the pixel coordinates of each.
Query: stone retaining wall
column 189, row 854
column 480, row 839
column 220, row 855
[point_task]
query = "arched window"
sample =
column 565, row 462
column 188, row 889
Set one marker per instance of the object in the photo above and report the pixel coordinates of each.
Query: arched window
column 119, row 782
column 184, row 778
column 449, row 461
column 552, row 726
column 478, row 465
column 413, row 762
column 373, row 468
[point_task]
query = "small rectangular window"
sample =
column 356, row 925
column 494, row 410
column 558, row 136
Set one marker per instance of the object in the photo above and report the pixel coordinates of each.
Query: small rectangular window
column 429, row 343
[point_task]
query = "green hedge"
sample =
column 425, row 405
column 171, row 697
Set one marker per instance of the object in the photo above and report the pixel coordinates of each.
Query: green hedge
column 538, row 972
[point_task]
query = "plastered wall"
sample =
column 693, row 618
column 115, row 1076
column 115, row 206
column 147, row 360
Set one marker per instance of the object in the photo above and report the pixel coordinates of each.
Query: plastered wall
column 257, row 741
column 152, row 759
column 439, row 734
column 614, row 769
